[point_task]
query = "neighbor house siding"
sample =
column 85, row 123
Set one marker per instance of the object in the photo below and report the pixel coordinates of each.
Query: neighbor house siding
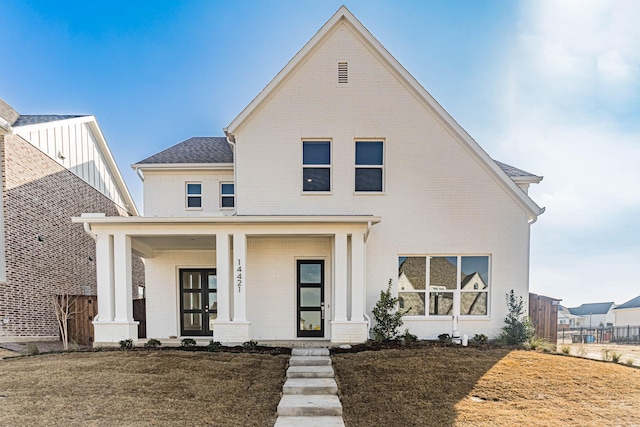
column 627, row 316
column 40, row 196
column 437, row 198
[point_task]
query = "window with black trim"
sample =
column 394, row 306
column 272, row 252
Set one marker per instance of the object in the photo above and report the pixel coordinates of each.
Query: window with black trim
column 194, row 195
column 316, row 166
column 227, row 195
column 369, row 166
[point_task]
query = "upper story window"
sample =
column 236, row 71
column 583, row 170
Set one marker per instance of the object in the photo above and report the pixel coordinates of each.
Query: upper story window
column 444, row 285
column 227, row 195
column 194, row 195
column 369, row 166
column 316, row 166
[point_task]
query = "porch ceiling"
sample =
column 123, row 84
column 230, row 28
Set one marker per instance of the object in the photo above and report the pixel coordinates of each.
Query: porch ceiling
column 145, row 244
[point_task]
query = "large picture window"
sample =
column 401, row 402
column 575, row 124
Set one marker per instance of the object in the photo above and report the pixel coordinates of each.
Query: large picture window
column 369, row 166
column 316, row 166
column 444, row 285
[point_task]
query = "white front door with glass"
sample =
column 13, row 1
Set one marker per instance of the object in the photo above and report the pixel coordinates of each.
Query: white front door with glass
column 198, row 301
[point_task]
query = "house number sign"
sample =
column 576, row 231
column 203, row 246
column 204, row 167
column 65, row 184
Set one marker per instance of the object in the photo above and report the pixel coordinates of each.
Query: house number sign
column 239, row 275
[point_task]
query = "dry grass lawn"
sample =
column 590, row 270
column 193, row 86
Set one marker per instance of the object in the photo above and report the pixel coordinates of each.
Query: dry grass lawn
column 443, row 386
column 141, row 388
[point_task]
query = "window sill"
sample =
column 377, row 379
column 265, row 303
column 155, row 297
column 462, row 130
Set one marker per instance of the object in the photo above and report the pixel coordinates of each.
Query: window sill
column 446, row 317
column 192, row 209
column 368, row 193
column 317, row 193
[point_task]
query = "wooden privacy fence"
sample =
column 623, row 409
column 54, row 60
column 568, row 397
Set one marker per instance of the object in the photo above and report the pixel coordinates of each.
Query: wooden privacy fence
column 85, row 309
column 544, row 315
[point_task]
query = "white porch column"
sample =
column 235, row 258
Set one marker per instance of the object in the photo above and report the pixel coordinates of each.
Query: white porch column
column 340, row 279
column 222, row 272
column 239, row 277
column 357, row 277
column 104, row 273
column 122, row 276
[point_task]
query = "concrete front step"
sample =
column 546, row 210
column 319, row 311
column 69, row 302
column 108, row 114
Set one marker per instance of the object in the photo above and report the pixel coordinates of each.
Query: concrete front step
column 310, row 352
column 309, row 422
column 310, row 372
column 316, row 405
column 310, row 386
column 309, row 361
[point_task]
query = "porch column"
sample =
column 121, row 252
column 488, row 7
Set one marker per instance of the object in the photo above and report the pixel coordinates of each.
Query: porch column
column 357, row 277
column 104, row 273
column 122, row 276
column 239, row 277
column 340, row 282
column 222, row 272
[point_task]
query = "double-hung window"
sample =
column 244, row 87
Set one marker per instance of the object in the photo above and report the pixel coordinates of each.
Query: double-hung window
column 444, row 285
column 369, row 166
column 227, row 195
column 316, row 166
column 194, row 195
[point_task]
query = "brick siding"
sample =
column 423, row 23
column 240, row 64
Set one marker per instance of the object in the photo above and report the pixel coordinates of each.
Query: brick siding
column 46, row 254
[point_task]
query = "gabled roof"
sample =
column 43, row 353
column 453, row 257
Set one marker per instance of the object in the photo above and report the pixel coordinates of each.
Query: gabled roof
column 211, row 149
column 343, row 15
column 518, row 175
column 592, row 308
column 26, row 120
column 7, row 115
column 632, row 303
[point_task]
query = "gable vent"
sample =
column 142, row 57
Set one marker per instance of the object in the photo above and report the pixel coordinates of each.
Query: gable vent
column 343, row 75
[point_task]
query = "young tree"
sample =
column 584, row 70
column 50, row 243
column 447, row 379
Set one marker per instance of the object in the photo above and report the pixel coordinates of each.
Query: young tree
column 518, row 328
column 388, row 317
column 63, row 305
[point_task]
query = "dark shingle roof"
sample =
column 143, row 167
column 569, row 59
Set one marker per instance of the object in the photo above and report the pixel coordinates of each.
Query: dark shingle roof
column 513, row 172
column 209, row 149
column 632, row 303
column 42, row 118
column 593, row 308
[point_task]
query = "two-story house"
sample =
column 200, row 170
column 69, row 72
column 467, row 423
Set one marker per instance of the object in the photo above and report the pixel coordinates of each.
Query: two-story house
column 343, row 173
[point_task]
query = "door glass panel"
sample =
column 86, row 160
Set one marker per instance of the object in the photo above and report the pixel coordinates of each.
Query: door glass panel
column 190, row 280
column 213, row 301
column 212, row 317
column 192, row 321
column 192, row 301
column 310, row 297
column 310, row 321
column 310, row 273
column 213, row 281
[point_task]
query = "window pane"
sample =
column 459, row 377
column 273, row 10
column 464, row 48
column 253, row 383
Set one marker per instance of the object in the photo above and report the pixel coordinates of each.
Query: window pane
column 368, row 179
column 310, row 297
column 191, row 301
column 194, row 202
column 227, row 201
column 443, row 272
column 310, row 320
column 227, row 188
column 475, row 273
column 369, row 153
column 213, row 301
column 191, row 280
column 441, row 303
column 316, row 179
column 192, row 322
column 473, row 303
column 412, row 301
column 213, row 281
column 316, row 153
column 310, row 273
column 194, row 189
column 412, row 273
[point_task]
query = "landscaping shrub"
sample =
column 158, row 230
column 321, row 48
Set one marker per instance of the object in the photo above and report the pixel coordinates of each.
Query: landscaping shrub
column 518, row 328
column 250, row 345
column 445, row 338
column 606, row 354
column 629, row 362
column 566, row 350
column 214, row 346
column 152, row 343
column 615, row 357
column 408, row 337
column 126, row 344
column 188, row 343
column 388, row 317
column 31, row 349
column 479, row 339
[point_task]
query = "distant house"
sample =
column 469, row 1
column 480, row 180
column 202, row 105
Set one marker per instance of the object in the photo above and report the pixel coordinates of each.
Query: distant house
column 53, row 167
column 628, row 313
column 568, row 320
column 595, row 314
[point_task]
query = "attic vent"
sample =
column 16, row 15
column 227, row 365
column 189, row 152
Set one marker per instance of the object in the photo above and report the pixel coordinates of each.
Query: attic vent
column 343, row 75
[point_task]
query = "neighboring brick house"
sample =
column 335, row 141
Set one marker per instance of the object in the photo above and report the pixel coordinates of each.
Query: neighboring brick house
column 343, row 173
column 54, row 167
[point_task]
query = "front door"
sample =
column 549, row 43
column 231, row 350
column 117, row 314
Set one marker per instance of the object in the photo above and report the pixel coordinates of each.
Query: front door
column 198, row 301
column 310, row 290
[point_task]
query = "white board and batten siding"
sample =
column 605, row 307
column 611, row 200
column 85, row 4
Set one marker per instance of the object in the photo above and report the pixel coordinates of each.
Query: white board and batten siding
column 73, row 144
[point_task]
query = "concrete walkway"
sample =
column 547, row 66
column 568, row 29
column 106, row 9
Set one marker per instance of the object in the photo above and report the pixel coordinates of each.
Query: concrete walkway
column 310, row 394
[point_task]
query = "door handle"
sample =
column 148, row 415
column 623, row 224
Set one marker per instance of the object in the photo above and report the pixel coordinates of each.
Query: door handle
column 206, row 308
column 322, row 311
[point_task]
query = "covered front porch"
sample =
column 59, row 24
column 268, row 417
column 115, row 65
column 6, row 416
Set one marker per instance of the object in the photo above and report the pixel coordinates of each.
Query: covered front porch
column 234, row 279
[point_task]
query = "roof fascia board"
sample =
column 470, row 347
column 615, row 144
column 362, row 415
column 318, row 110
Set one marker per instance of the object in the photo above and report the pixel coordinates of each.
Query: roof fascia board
column 233, row 219
column 181, row 166
column 44, row 125
column 449, row 123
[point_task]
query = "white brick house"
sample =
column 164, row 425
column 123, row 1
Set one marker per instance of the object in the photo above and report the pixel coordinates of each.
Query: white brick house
column 341, row 174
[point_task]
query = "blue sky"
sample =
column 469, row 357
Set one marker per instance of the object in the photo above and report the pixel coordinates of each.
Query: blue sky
column 550, row 87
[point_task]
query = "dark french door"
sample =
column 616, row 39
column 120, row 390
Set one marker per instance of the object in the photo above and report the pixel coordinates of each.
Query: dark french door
column 198, row 301
column 310, row 297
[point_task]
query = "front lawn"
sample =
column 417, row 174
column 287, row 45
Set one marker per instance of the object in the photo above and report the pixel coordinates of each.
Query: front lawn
column 446, row 386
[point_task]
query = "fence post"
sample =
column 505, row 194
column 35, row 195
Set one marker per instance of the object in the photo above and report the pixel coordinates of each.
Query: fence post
column 628, row 333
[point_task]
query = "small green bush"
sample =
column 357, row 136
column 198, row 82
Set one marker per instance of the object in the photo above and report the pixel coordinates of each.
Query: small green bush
column 518, row 328
column 388, row 316
column 444, row 338
column 214, row 346
column 188, row 342
column 615, row 357
column 152, row 343
column 606, row 354
column 479, row 339
column 32, row 349
column 250, row 345
column 566, row 350
column 126, row 344
column 408, row 337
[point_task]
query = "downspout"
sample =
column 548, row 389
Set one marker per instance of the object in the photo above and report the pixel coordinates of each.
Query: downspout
column 235, row 171
column 364, row 293
column 87, row 229
column 139, row 173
